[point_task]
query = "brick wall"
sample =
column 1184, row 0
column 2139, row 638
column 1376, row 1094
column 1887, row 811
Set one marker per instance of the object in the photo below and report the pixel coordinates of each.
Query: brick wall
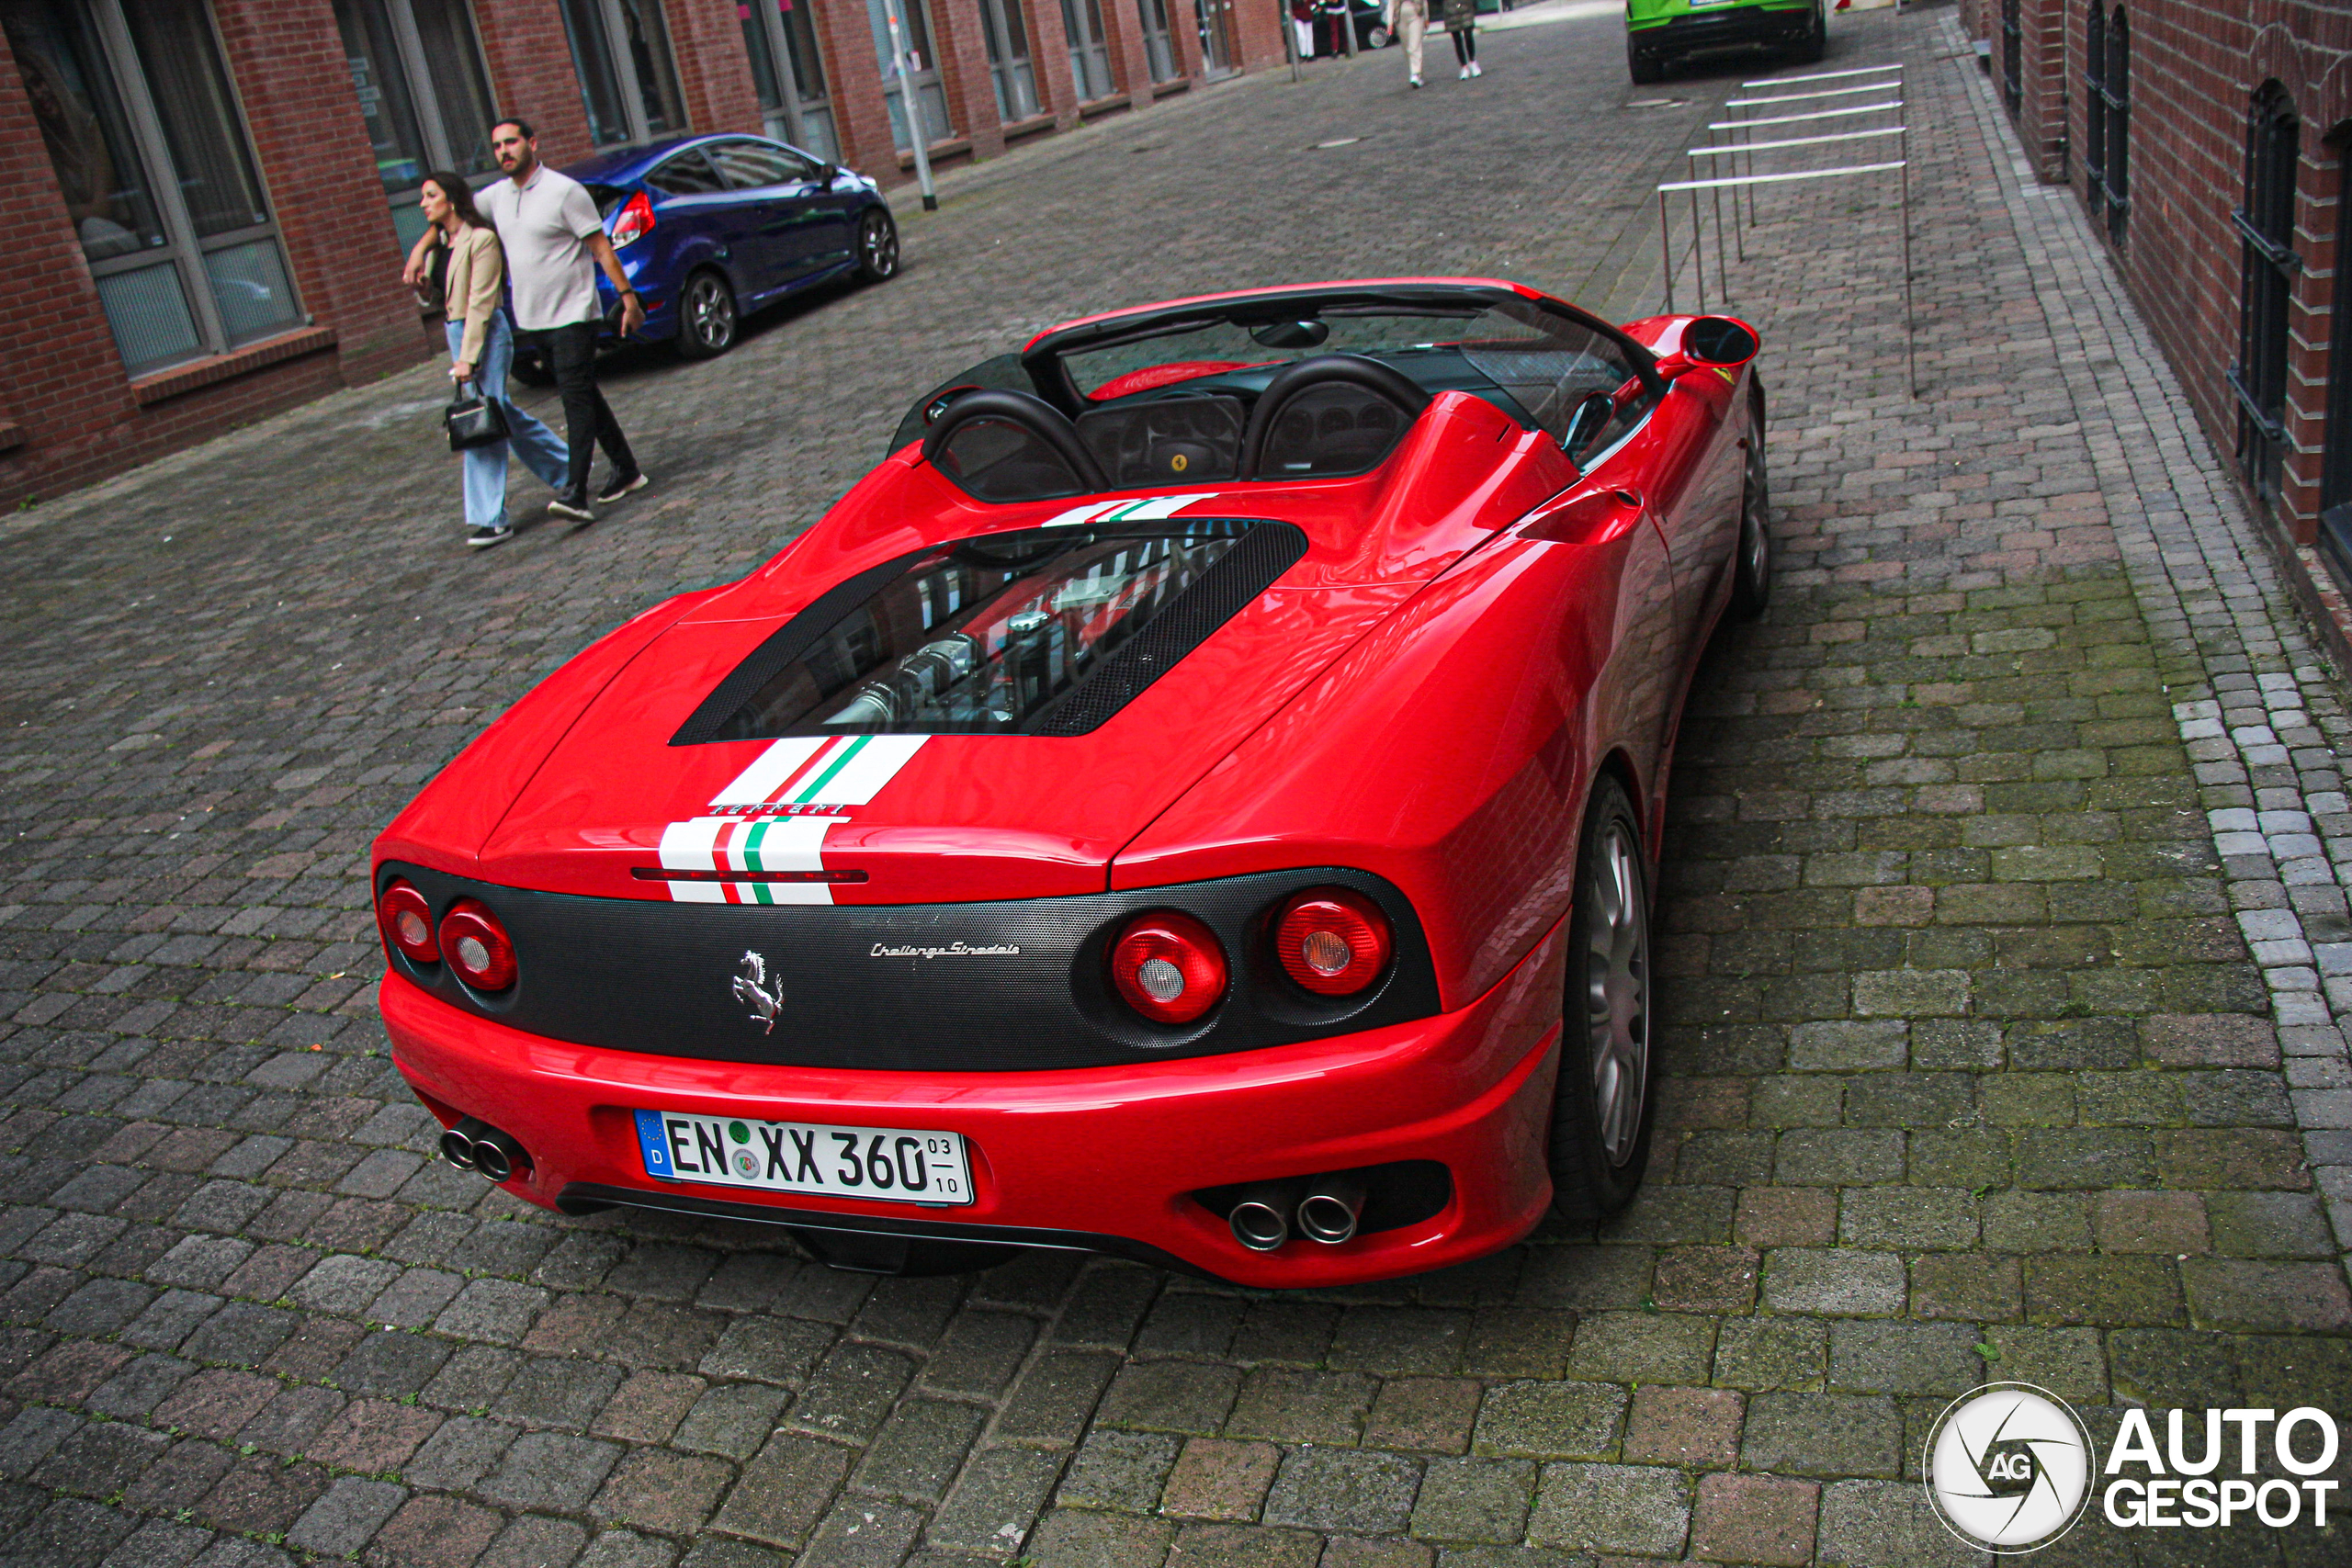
column 2195, row 67
column 713, row 67
column 531, row 74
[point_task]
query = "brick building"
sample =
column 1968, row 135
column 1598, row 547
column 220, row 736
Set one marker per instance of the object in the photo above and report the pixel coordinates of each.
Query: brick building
column 208, row 198
column 2206, row 140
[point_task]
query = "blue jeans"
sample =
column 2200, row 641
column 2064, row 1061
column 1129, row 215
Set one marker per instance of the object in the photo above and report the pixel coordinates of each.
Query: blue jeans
column 542, row 451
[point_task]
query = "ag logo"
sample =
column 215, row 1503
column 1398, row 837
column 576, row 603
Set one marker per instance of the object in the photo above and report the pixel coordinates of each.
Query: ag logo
column 2008, row 1468
column 752, row 989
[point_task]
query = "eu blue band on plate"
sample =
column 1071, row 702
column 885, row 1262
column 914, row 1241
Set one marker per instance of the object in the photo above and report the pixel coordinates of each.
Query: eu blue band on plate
column 655, row 1141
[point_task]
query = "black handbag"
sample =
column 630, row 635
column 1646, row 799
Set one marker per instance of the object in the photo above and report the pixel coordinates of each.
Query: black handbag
column 472, row 420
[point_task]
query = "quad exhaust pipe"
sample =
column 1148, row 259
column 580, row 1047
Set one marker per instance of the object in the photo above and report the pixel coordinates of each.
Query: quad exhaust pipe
column 474, row 1144
column 1330, row 1210
column 1325, row 1208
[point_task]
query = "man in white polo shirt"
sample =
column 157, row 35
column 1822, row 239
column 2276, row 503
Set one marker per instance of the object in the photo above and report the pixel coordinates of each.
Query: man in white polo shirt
column 554, row 241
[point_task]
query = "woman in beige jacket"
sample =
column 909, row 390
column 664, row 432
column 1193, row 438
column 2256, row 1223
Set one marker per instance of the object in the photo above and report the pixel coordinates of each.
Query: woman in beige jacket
column 465, row 262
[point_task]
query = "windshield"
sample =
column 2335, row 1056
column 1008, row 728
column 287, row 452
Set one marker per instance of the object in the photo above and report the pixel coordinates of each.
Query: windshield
column 1539, row 365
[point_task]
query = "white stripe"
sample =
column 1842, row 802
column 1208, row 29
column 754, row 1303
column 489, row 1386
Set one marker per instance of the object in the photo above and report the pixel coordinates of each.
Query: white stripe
column 790, row 843
column 1161, row 506
column 688, row 846
column 1076, row 514
column 771, row 768
column 875, row 764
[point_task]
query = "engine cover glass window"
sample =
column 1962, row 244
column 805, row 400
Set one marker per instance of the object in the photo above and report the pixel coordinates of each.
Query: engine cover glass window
column 1045, row 631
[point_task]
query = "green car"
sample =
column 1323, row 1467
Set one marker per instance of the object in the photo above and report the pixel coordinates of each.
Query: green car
column 1661, row 32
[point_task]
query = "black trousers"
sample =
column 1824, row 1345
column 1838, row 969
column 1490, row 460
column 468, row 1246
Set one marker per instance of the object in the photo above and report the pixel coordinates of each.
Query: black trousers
column 1465, row 47
column 588, row 421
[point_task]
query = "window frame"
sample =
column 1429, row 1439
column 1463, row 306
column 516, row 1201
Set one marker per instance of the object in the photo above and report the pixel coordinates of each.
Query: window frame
column 425, row 95
column 628, row 89
column 183, row 248
column 806, row 112
column 2266, row 225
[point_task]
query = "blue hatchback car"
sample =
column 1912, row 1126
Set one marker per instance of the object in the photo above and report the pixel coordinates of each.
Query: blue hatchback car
column 712, row 228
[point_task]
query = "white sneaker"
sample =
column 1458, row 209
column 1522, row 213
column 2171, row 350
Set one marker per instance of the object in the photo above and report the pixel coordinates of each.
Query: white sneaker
column 1463, row 74
column 1417, row 81
column 1473, row 69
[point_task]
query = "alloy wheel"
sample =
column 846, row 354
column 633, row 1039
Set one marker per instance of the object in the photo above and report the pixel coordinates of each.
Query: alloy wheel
column 878, row 247
column 710, row 314
column 1617, row 992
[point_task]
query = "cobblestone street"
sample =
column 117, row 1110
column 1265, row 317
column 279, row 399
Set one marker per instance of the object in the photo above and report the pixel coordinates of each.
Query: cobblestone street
column 2006, row 945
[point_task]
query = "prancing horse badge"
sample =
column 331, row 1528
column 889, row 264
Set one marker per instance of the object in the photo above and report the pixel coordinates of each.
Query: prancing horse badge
column 752, row 988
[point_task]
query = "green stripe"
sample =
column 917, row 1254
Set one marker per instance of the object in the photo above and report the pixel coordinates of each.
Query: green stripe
column 760, row 893
column 752, row 846
column 821, row 780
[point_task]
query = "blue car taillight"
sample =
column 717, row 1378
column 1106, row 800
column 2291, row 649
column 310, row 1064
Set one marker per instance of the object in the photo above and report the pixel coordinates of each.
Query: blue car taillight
column 634, row 221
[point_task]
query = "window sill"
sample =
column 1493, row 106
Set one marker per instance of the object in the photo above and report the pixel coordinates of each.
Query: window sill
column 1036, row 125
column 1173, row 85
column 949, row 147
column 1109, row 103
column 188, row 377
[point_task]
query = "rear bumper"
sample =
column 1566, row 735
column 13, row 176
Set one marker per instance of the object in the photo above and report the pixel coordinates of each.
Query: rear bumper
column 1101, row 1157
column 1731, row 26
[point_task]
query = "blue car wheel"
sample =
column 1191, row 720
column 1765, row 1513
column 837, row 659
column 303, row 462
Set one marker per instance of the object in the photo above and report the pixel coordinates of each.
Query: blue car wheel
column 706, row 317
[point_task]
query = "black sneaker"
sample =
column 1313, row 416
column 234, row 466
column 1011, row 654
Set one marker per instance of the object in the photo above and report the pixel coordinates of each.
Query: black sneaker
column 482, row 539
column 573, row 506
column 618, row 487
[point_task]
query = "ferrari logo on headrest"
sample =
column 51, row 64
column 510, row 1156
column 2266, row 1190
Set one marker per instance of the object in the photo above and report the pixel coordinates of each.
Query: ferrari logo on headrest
column 1179, row 462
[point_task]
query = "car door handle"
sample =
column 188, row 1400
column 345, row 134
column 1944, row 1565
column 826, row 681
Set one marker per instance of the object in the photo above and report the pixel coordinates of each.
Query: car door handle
column 1593, row 518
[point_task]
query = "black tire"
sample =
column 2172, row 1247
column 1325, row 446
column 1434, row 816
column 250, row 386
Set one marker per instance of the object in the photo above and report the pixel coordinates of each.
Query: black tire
column 877, row 246
column 706, row 317
column 1751, row 579
column 1644, row 67
column 1602, row 1104
column 1813, row 48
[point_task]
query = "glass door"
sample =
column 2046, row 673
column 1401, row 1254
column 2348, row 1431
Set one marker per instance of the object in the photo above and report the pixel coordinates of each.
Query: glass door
column 1215, row 18
column 1090, row 55
column 1158, row 52
column 781, row 38
column 1007, row 42
column 922, row 71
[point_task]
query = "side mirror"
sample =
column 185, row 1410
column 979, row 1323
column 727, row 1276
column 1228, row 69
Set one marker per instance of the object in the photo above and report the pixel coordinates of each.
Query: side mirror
column 1593, row 417
column 1721, row 342
column 827, row 173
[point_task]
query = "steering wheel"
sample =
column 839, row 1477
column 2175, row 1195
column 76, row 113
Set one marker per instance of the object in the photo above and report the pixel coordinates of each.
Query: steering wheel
column 1032, row 415
column 1326, row 370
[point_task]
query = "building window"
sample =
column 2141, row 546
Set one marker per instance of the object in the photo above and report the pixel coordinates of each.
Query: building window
column 2336, row 464
column 1007, row 39
column 1157, row 50
column 417, row 68
column 2095, row 107
column 2115, row 96
column 628, row 79
column 1090, row 52
column 150, row 153
column 789, row 74
column 2267, row 226
column 2012, row 57
column 923, row 69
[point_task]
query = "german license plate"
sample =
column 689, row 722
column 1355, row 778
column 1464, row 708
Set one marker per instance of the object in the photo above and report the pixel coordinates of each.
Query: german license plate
column 890, row 1163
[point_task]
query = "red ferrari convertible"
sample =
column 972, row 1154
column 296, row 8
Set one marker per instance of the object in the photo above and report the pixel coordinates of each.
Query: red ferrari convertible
column 1196, row 799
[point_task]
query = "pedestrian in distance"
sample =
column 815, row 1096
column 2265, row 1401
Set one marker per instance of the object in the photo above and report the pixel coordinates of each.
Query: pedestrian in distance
column 1461, row 25
column 465, row 278
column 555, row 242
column 1409, row 19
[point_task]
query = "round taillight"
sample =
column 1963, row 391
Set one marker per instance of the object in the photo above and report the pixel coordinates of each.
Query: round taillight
column 407, row 923
column 1332, row 941
column 1167, row 967
column 477, row 947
